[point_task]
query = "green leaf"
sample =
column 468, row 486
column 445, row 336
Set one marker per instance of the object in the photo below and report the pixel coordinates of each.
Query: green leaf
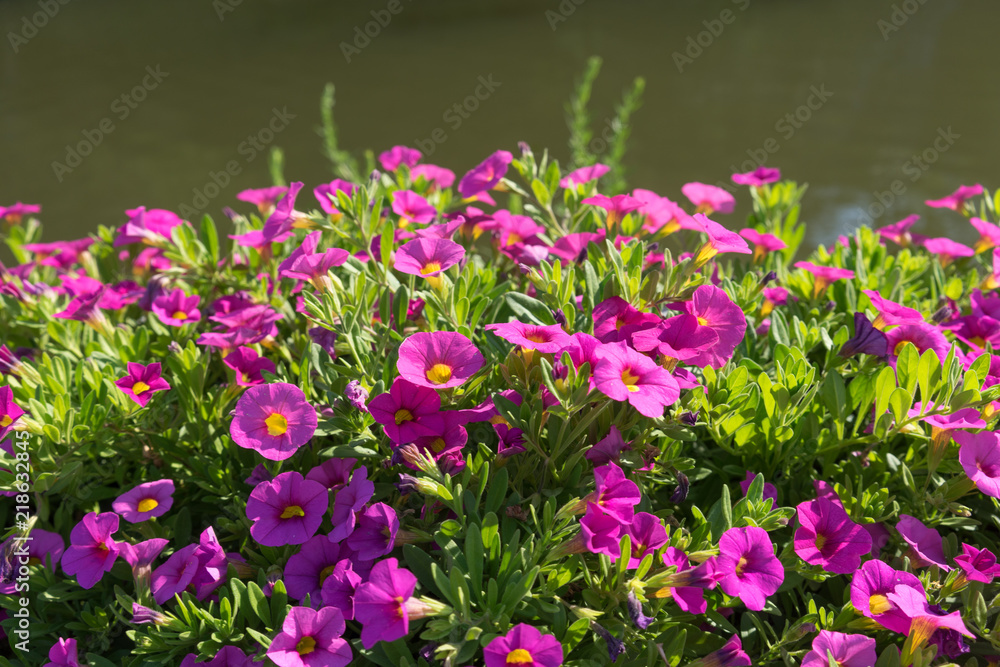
column 885, row 384
column 259, row 603
column 526, row 308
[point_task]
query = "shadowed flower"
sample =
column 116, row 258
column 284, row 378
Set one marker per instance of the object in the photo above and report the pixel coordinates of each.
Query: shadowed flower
column 678, row 338
column 979, row 454
column 92, row 552
column 306, row 571
column 713, row 308
column 348, row 502
column 407, row 411
column 228, row 656
column 758, row 177
column 662, row 215
column 397, row 155
column 872, row 584
column 989, row 235
column 730, row 655
column 709, row 198
column 617, row 207
column 340, row 586
column 615, row 319
column 922, row 336
column 978, row 564
column 924, row 621
column 899, row 232
column 823, row 275
column 647, row 534
column 523, row 646
column 145, row 501
column 926, row 543
column 142, row 382
column 199, row 568
column 770, row 490
column 248, row 366
column 375, row 533
column 286, row 510
column 891, row 313
column 748, row 566
column 311, row 638
column 10, row 411
column 273, row 419
column 828, row 538
column 622, row 374
column 381, row 603
column 614, row 493
column 428, row 257
column 599, row 533
column 439, row 359
column 412, row 208
column 688, row 598
column 847, row 650
column 486, row 175
column 43, row 548
column 263, row 198
column 436, row 177
column 583, row 175
column 63, row 654
column 956, row 200
column 176, row 308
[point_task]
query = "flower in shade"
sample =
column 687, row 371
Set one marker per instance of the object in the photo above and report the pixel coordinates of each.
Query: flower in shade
column 43, row 547
column 748, row 566
column 647, row 534
column 979, row 454
column 439, row 359
column 428, row 257
column 947, row 250
column 145, row 501
column 92, row 552
column 313, row 267
column 177, row 308
column 145, row 616
column 486, row 175
column 713, row 308
column 870, row 587
column 381, row 603
column 311, row 638
column 340, row 586
column 142, row 382
column 411, row 207
column 616, row 319
column 326, row 194
column 407, row 411
column 583, row 175
column 375, row 534
column 762, row 243
column 978, row 564
column 248, row 366
column 891, row 313
column 924, row 620
column 228, row 656
column 623, row 374
column 63, row 654
column 599, row 533
column 87, row 309
column 274, row 419
column 828, row 538
column 823, row 275
column 678, row 338
column 545, row 338
column 356, row 395
column 720, row 240
column 770, row 490
column 287, row 510
column 730, row 655
column 348, row 502
column 847, row 650
column 199, row 568
column 617, row 207
column 758, row 177
column 956, row 200
column 926, row 543
column 10, row 411
column 523, row 646
column 923, row 336
column 397, row 155
column 709, row 198
column 306, row 571
column 688, row 598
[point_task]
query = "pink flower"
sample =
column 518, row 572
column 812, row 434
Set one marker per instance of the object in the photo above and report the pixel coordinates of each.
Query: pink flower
column 989, row 234
column 439, row 359
column 13, row 215
column 824, row 275
column 248, row 366
column 662, row 215
column 486, row 175
column 286, row 510
column 514, row 230
column 523, row 646
column 720, row 240
column 763, row 243
column 678, row 338
column 623, row 374
column 199, row 568
column 411, row 207
column 614, row 493
column 92, row 551
column 708, row 198
column 926, row 543
column 688, row 598
column 63, row 654
column 326, row 194
column 947, row 250
column 899, row 232
column 713, row 308
column 311, row 638
column 922, row 336
column 870, row 589
column 375, row 533
column 142, row 382
column 544, row 338
column 382, row 604
column 924, row 621
column 615, row 319
column 434, row 175
column 847, row 650
column 617, row 207
column 978, row 564
column 758, row 177
column 979, row 454
column 177, row 308
column 273, row 419
column 583, row 175
column 145, row 501
column 828, row 538
column 407, row 411
column 770, row 490
column 748, row 566
column 263, row 198
column 891, row 313
column 10, row 411
column 956, row 200
column 397, row 155
column 428, row 257
column 647, row 535
column 730, row 655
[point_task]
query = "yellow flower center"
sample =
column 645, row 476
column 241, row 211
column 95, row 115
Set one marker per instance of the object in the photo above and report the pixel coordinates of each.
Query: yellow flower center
column 519, row 656
column 305, row 646
column 401, row 609
column 899, row 347
column 140, row 387
column 537, row 338
column 879, row 604
column 325, row 572
column 741, row 565
column 276, row 424
column 101, row 546
column 430, row 267
column 147, row 505
column 702, row 321
column 438, row 444
column 978, row 341
column 292, row 511
column 402, row 416
column 820, row 542
column 180, row 315
column 6, row 421
column 499, row 420
column 439, row 373
column 513, row 238
column 630, row 380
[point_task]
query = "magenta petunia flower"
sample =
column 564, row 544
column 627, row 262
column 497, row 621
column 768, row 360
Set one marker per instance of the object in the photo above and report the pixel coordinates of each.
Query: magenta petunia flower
column 622, row 374
column 617, row 207
column 748, row 566
column 824, row 275
column 709, row 198
column 198, row 568
column 92, row 552
column 177, row 308
column 947, row 250
column 662, row 215
column 762, row 243
column 828, row 538
column 287, row 510
column 614, row 493
column 583, row 175
column 758, row 177
column 340, row 587
column 306, row 571
column 326, row 194
column 989, row 234
column 679, row 338
column 145, row 501
column 922, row 336
column 730, row 655
column 926, row 543
column 63, row 654
column 979, row 454
column 427, row 257
column 263, row 198
column 924, row 621
column 688, row 598
column 713, row 308
column 10, row 411
column 87, row 309
column 60, row 254
column 439, row 359
column 546, row 339
column 43, row 548
column 647, row 535
column 142, row 382
column 720, row 240
column 407, row 411
column 978, row 564
column 152, row 227
column 248, row 366
column 15, row 212
column 313, row 266
column 412, row 208
column 600, row 533
column 847, row 650
column 311, row 638
column 871, row 585
column 616, row 319
column 956, row 200
column 273, row 419
column 434, row 175
column 891, row 313
column 348, row 502
column 375, row 533
column 523, row 646
column 899, row 232
column 486, row 175
column 397, row 155
column 381, row 603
